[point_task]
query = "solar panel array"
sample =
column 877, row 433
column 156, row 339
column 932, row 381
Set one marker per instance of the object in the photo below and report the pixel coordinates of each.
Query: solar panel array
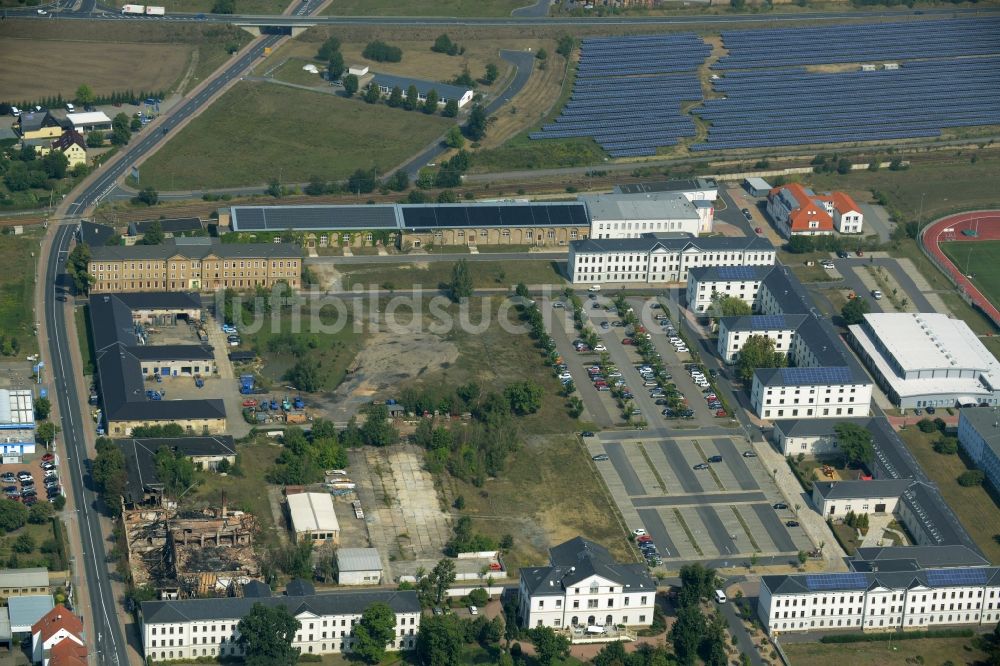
column 736, row 272
column 279, row 218
column 943, row 577
column 771, row 99
column 806, row 376
column 836, row 581
column 493, row 215
column 628, row 93
column 769, row 322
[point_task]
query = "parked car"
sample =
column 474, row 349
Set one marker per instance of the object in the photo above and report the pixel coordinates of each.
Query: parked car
column 701, row 466
column 23, row 476
column 715, row 459
column 473, row 610
column 586, row 433
column 931, row 410
column 605, row 325
column 11, row 491
column 48, row 457
column 8, row 477
column 48, row 466
column 779, row 505
column 843, row 254
column 746, row 214
column 639, row 532
column 721, row 413
column 791, row 523
column 600, row 457
column 749, row 454
column 600, row 348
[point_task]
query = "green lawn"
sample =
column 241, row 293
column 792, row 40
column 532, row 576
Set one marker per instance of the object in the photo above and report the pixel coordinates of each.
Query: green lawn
column 485, row 274
column 40, row 534
column 243, row 486
column 930, row 651
column 82, row 318
column 331, row 352
column 524, row 153
column 260, row 131
column 292, row 72
column 980, row 258
column 17, row 292
column 457, row 8
column 976, row 509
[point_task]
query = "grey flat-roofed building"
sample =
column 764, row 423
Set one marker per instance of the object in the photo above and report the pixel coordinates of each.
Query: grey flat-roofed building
column 758, row 187
column 27, row 610
column 170, row 227
column 359, row 566
column 314, row 218
column 21, row 582
column 697, row 189
column 95, row 235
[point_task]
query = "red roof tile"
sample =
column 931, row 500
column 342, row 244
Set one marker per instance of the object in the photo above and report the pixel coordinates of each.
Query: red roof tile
column 56, row 619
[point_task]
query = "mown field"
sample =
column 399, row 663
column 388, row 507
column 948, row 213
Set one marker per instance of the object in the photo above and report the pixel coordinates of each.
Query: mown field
column 259, row 131
column 17, row 285
column 981, row 259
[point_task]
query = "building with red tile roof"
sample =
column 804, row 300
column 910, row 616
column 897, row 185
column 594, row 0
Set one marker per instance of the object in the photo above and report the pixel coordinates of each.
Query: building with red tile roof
column 798, row 211
column 58, row 627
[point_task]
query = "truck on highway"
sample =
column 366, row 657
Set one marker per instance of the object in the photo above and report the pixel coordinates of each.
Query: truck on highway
column 155, row 11
column 134, row 9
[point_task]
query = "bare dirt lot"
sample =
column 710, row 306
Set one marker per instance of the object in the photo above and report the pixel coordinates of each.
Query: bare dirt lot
column 103, row 67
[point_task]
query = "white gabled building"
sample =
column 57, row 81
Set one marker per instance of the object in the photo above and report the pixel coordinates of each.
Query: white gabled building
column 183, row 629
column 809, row 393
column 836, row 499
column 909, row 588
column 705, row 282
column 735, row 331
column 585, row 587
column 660, row 259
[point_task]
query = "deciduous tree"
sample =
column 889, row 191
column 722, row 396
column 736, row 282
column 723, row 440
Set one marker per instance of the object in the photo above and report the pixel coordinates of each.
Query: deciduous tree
column 350, row 85
column 266, row 634
column 758, row 352
column 855, row 443
column 461, row 281
column 549, row 645
column 373, row 632
column 855, row 310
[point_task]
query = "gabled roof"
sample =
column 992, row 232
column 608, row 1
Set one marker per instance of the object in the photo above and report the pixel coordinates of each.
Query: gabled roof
column 816, row 427
column 140, row 458
column 676, row 242
column 69, row 138
column 762, row 323
column 714, row 274
column 32, row 121
column 59, row 618
column 28, row 577
column 358, row 559
column 900, row 578
column 804, row 206
column 444, row 90
column 68, row 653
column 95, row 235
column 334, row 603
column 858, row 489
column 949, row 555
column 170, row 248
column 843, row 203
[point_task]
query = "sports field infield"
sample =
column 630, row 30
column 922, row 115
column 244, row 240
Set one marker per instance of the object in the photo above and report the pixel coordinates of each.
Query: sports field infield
column 981, row 260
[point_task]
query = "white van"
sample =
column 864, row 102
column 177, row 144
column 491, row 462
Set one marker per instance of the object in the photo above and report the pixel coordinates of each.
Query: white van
column 720, row 597
column 14, row 111
column 70, row 107
column 594, row 287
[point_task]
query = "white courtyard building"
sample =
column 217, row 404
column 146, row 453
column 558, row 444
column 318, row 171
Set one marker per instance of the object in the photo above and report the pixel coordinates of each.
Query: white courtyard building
column 632, row 215
column 586, row 590
column 927, row 360
column 809, row 392
column 735, row 331
column 183, row 629
column 660, row 259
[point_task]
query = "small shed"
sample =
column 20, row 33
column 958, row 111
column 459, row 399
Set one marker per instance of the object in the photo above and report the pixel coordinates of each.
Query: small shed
column 359, row 566
column 758, row 187
column 357, row 70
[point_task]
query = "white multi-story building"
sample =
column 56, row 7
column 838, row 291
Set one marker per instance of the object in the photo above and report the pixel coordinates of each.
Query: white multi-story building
column 632, row 215
column 811, row 437
column 706, row 282
column 660, row 259
column 908, row 592
column 585, row 587
column 979, row 437
column 189, row 628
column 735, row 331
column 797, row 210
column 809, row 392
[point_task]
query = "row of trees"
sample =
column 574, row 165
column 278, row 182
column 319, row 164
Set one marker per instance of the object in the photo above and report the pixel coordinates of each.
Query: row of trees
column 693, row 635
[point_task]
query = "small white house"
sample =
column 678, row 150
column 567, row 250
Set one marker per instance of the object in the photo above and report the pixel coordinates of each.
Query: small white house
column 313, row 518
column 359, row 566
column 357, row 70
column 836, row 499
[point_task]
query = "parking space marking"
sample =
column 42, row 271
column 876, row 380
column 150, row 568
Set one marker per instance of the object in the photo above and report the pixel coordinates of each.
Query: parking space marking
column 630, row 480
column 665, row 469
column 661, row 535
column 774, row 529
column 717, row 530
column 760, row 535
column 647, row 477
column 684, row 473
column 710, row 498
column 736, row 463
column 699, row 532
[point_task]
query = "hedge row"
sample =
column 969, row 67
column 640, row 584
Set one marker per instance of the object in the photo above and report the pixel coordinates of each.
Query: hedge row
column 897, row 636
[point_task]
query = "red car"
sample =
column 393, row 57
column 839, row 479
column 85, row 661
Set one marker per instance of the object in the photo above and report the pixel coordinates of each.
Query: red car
column 249, row 402
column 627, row 341
column 759, row 230
column 645, row 538
column 721, row 413
column 48, row 457
column 711, row 396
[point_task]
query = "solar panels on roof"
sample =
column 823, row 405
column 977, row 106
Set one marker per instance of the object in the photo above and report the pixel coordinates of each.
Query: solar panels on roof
column 496, row 215
column 943, row 577
column 769, row 322
column 836, row 581
column 736, row 272
column 313, row 218
column 805, row 376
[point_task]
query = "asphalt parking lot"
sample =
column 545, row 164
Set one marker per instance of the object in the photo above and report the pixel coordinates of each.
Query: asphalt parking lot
column 32, row 464
column 720, row 515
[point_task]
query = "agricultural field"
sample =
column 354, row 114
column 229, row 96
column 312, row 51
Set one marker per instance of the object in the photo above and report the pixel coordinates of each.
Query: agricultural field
column 981, row 259
column 298, row 134
column 109, row 56
column 458, row 8
column 975, row 507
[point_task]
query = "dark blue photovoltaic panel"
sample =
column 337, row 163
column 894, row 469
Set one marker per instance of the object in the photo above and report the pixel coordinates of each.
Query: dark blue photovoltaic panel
column 736, row 272
column 836, row 581
column 819, row 376
column 945, row 577
column 768, row 322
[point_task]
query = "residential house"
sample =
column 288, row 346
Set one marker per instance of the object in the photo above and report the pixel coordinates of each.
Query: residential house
column 32, row 125
column 57, row 639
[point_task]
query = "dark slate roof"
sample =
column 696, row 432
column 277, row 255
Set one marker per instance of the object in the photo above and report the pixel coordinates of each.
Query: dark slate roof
column 35, row 120
column 444, row 90
column 170, row 248
column 256, row 589
column 117, row 359
column 178, row 225
column 313, row 218
column 69, row 138
column 672, row 243
column 173, row 353
column 816, row 427
column 300, row 588
column 579, row 559
column 667, row 186
column 860, row 489
column 334, row 603
column 713, row 274
column 950, row 555
column 95, row 235
column 504, row 215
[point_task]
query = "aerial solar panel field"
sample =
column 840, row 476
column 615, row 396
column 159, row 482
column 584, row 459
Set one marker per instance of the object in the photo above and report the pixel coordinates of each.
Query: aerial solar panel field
column 775, row 87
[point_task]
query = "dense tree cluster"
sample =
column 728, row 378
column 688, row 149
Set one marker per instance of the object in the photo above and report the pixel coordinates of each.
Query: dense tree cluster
column 693, row 635
column 379, row 51
column 758, row 352
column 303, row 458
column 443, row 44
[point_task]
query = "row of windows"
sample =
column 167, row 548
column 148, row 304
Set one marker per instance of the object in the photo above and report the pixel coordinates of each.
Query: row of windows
column 118, row 285
column 233, row 650
column 575, row 621
column 593, row 603
column 941, row 619
column 123, row 265
column 748, row 259
column 809, row 412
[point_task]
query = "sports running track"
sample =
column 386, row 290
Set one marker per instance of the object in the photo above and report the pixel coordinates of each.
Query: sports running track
column 948, row 229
